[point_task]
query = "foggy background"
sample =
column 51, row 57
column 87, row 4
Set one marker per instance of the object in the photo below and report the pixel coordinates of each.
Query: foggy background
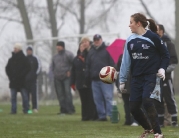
column 41, row 23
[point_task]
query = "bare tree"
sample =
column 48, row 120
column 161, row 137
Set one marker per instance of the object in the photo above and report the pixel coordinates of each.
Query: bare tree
column 151, row 16
column 25, row 20
column 19, row 5
column 82, row 17
column 85, row 23
column 53, row 22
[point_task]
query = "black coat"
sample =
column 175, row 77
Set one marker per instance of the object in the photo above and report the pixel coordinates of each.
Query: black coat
column 32, row 74
column 78, row 73
column 16, row 69
column 172, row 53
column 96, row 60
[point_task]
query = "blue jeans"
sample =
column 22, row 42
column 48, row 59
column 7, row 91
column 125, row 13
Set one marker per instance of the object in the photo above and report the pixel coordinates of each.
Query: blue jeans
column 103, row 96
column 14, row 100
column 64, row 95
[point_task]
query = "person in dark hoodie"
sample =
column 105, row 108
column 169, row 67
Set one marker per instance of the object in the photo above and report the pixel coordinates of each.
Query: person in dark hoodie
column 31, row 78
column 97, row 58
column 17, row 69
column 168, row 88
column 88, row 109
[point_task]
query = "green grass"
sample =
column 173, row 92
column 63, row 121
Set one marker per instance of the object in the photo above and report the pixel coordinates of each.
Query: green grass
column 47, row 124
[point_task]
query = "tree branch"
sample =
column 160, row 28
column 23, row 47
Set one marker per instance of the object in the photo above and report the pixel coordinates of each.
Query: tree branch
column 98, row 20
column 3, row 27
column 147, row 10
column 70, row 10
column 88, row 3
column 10, row 19
column 150, row 15
column 10, row 3
column 56, row 6
column 63, row 21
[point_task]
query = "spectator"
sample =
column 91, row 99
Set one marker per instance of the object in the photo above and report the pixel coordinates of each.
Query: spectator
column 31, row 78
column 87, row 44
column 17, row 69
column 125, row 96
column 167, row 87
column 61, row 66
column 145, row 56
column 77, row 82
column 98, row 57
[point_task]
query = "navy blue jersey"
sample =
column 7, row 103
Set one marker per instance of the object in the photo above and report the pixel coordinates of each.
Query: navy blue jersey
column 143, row 55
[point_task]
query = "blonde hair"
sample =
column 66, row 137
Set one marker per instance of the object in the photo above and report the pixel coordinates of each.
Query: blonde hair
column 84, row 39
column 18, row 46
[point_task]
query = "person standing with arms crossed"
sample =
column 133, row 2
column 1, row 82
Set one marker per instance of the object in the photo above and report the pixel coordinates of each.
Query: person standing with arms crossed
column 146, row 57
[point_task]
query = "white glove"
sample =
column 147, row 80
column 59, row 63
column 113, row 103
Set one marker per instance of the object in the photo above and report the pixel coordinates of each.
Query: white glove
column 121, row 86
column 161, row 73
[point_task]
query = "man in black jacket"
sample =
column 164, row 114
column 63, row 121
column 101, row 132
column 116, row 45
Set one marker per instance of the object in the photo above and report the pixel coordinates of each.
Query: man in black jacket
column 17, row 68
column 168, row 89
column 31, row 78
column 98, row 57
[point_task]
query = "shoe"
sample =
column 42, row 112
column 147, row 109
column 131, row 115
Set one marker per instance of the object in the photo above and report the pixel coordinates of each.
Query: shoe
column 35, row 111
column 102, row 119
column 174, row 124
column 158, row 136
column 134, row 124
column 146, row 133
column 29, row 111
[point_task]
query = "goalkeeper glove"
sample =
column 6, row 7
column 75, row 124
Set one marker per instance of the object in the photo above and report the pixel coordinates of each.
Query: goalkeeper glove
column 161, row 73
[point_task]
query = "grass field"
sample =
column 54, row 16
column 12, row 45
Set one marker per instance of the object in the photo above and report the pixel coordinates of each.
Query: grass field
column 47, row 124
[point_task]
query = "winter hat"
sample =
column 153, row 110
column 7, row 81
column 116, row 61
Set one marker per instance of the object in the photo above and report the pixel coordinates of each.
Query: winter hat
column 18, row 46
column 29, row 48
column 61, row 43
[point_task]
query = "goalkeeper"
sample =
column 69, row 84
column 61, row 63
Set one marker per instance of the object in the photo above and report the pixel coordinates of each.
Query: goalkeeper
column 145, row 56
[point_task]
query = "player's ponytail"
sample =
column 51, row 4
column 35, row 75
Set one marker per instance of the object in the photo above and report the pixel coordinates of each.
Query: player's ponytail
column 138, row 17
column 152, row 26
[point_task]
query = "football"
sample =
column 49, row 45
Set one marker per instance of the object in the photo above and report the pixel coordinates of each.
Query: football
column 108, row 74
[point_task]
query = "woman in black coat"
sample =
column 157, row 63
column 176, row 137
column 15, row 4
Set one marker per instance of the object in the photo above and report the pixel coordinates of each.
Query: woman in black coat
column 88, row 109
